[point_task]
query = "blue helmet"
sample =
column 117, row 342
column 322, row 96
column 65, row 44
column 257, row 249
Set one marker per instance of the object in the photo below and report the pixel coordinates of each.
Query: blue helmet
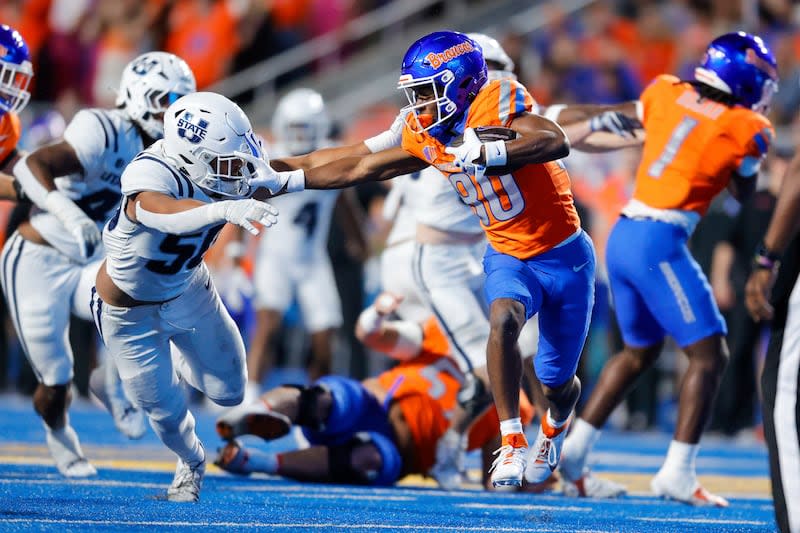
column 16, row 71
column 743, row 66
column 451, row 66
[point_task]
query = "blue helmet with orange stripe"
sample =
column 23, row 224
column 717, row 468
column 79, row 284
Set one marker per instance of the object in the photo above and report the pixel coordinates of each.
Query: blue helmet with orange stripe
column 741, row 64
column 445, row 68
column 16, row 71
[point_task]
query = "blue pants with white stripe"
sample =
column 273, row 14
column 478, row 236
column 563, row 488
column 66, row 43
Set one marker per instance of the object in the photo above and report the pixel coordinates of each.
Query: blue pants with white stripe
column 657, row 286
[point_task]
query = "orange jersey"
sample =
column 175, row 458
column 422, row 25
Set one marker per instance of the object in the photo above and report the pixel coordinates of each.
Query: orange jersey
column 10, row 131
column 692, row 148
column 426, row 390
column 524, row 213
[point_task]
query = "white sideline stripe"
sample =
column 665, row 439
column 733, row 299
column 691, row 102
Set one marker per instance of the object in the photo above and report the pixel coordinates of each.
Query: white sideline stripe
column 523, row 507
column 701, row 521
column 289, row 525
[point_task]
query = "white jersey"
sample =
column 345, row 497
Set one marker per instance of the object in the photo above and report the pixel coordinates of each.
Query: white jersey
column 147, row 264
column 304, row 220
column 438, row 205
column 105, row 141
column 399, row 207
column 426, row 197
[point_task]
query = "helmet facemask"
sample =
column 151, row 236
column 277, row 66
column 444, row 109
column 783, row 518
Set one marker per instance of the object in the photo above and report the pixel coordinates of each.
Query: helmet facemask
column 435, row 86
column 14, row 82
column 226, row 175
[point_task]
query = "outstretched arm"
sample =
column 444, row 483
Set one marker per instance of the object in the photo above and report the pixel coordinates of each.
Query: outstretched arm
column 599, row 128
column 352, row 170
column 181, row 216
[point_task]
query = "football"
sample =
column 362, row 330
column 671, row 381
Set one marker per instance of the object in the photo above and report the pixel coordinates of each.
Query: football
column 488, row 134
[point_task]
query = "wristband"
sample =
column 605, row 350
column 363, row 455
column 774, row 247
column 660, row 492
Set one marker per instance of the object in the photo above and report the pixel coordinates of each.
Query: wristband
column 296, row 181
column 766, row 259
column 370, row 320
column 496, row 154
column 382, row 141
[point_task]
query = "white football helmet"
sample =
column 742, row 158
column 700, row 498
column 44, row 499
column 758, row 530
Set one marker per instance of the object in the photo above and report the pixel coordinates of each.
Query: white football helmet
column 494, row 53
column 301, row 122
column 149, row 84
column 204, row 137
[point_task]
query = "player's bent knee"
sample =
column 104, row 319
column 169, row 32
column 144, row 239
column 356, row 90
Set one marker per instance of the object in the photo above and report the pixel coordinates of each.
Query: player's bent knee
column 507, row 316
column 51, row 402
column 369, row 458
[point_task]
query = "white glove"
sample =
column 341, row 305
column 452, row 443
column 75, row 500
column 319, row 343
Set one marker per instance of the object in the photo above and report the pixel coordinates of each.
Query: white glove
column 75, row 221
column 616, row 123
column 242, row 212
column 266, row 177
column 467, row 153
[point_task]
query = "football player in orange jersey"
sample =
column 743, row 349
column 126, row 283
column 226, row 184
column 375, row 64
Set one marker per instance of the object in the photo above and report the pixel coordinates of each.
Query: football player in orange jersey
column 701, row 136
column 371, row 432
column 538, row 259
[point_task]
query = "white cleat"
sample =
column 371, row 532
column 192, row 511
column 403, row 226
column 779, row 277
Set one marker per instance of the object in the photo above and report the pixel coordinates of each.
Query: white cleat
column 67, row 454
column 685, row 489
column 589, row 486
column 545, row 453
column 449, row 468
column 509, row 465
column 129, row 419
column 187, row 482
column 253, row 419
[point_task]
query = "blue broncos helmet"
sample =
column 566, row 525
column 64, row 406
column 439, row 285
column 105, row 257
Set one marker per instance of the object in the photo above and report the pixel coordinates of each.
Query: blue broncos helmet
column 451, row 67
column 16, row 71
column 743, row 66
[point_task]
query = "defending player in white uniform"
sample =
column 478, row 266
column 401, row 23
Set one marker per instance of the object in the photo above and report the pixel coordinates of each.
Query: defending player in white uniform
column 292, row 259
column 50, row 262
column 154, row 293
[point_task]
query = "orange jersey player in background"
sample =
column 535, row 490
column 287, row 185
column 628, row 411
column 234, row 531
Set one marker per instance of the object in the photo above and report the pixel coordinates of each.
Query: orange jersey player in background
column 701, row 136
column 15, row 76
column 372, row 432
column 538, row 259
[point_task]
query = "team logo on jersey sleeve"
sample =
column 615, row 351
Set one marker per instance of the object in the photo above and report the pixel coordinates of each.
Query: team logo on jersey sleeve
column 192, row 131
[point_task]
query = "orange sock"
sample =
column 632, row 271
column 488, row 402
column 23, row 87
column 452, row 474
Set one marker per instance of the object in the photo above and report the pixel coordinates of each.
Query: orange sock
column 515, row 440
column 550, row 431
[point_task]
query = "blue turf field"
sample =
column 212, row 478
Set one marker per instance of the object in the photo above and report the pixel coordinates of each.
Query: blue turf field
column 128, row 493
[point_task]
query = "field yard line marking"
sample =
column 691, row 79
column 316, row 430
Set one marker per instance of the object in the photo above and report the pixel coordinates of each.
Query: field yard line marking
column 524, row 507
column 379, row 497
column 701, row 521
column 85, row 482
column 413, row 527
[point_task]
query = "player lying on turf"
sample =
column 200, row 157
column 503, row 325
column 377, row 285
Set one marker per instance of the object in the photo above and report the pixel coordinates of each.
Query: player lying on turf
column 372, row 432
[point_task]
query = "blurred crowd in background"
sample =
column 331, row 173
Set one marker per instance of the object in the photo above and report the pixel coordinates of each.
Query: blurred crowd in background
column 605, row 53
